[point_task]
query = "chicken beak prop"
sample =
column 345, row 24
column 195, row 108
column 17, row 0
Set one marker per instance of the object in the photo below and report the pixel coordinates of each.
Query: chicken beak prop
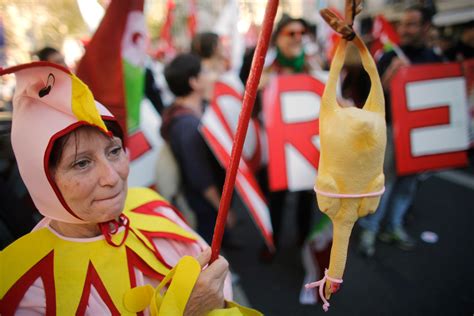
column 350, row 177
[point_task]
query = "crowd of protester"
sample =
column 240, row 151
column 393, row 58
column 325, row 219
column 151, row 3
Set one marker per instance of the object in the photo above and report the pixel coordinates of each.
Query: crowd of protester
column 190, row 77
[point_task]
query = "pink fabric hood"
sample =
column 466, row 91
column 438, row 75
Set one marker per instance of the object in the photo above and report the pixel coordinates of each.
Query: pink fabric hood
column 49, row 102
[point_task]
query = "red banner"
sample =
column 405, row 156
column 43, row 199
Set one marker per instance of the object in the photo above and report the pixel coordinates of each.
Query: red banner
column 291, row 110
column 430, row 122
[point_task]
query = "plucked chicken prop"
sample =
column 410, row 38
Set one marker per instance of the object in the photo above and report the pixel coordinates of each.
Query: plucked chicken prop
column 350, row 177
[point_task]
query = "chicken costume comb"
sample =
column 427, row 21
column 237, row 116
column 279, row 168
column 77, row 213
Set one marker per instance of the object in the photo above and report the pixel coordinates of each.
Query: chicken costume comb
column 49, row 102
column 350, row 177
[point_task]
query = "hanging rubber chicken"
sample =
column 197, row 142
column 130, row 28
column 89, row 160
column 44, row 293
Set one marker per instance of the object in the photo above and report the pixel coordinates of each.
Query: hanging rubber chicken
column 350, row 177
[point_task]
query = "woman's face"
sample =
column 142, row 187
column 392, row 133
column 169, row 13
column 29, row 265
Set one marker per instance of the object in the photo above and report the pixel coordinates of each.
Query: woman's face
column 92, row 175
column 290, row 39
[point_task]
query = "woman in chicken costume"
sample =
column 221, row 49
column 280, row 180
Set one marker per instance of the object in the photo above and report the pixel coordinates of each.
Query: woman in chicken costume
column 101, row 248
column 350, row 177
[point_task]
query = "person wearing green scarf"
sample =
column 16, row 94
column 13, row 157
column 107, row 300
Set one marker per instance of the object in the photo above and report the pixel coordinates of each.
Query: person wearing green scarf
column 288, row 41
column 289, row 59
column 294, row 63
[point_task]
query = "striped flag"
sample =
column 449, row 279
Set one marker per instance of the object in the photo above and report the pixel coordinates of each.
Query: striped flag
column 384, row 35
column 219, row 135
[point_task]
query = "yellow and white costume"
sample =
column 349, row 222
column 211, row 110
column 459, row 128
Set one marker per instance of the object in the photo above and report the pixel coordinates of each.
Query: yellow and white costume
column 45, row 273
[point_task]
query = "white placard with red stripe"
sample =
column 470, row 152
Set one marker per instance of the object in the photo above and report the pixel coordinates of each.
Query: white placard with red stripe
column 291, row 106
column 227, row 103
column 430, row 117
column 220, row 142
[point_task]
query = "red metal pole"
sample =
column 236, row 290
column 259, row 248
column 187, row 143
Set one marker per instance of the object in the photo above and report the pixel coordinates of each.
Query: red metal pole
column 247, row 106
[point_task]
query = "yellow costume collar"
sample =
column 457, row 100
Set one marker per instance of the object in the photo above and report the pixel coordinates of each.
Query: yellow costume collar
column 69, row 268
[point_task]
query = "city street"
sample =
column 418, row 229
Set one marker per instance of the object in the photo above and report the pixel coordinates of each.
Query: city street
column 434, row 279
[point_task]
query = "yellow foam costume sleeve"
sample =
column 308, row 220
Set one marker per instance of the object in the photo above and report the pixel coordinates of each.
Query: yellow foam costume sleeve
column 350, row 174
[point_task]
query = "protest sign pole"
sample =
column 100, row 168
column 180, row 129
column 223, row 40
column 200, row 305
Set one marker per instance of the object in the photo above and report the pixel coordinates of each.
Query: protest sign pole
column 247, row 106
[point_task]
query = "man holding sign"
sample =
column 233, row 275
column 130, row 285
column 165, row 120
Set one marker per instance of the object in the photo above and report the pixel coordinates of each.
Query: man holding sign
column 400, row 190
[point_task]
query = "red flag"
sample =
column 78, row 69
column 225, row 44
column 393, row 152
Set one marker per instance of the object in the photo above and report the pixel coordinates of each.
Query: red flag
column 101, row 68
column 384, row 34
column 113, row 68
column 166, row 35
column 192, row 18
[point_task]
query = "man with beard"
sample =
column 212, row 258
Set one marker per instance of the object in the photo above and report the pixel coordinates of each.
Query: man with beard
column 400, row 190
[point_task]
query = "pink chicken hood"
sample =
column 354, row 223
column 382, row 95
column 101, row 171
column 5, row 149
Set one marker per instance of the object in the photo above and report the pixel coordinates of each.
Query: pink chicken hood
column 49, row 102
